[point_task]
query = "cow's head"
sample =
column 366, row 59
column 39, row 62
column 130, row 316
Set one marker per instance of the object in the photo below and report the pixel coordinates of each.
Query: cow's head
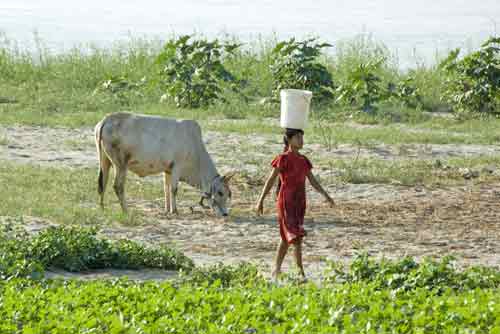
column 220, row 195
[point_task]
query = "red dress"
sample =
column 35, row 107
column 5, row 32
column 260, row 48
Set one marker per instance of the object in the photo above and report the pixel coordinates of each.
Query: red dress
column 291, row 204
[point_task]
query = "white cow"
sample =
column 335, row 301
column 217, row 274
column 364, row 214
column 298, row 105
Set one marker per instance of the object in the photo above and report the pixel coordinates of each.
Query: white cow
column 149, row 145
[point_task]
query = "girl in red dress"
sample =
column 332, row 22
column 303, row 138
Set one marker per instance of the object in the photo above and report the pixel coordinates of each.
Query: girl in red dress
column 292, row 169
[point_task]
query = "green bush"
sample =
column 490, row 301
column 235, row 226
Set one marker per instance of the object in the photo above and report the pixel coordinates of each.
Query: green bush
column 192, row 73
column 406, row 92
column 364, row 87
column 14, row 259
column 473, row 82
column 407, row 275
column 78, row 249
column 295, row 65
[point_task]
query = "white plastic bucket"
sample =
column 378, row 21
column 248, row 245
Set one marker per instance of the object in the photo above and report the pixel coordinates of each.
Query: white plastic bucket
column 294, row 108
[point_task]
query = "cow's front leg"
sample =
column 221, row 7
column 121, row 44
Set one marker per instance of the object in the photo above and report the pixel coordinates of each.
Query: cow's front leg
column 173, row 202
column 167, row 179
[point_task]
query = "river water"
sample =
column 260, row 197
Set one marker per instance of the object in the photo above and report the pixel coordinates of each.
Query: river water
column 424, row 27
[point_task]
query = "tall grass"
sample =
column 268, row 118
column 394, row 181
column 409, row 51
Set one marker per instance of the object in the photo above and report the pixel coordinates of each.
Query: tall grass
column 251, row 64
column 349, row 54
column 62, row 88
column 48, row 84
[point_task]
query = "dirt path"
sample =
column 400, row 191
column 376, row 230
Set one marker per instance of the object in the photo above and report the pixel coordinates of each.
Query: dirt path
column 464, row 222
column 76, row 148
column 384, row 220
column 416, row 222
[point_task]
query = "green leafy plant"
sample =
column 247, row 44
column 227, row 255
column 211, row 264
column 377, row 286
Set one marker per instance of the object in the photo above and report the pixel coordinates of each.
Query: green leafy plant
column 192, row 72
column 295, row 65
column 473, row 82
column 77, row 249
column 241, row 274
column 407, row 275
column 208, row 306
column 370, row 296
column 406, row 92
column 14, row 261
column 364, row 87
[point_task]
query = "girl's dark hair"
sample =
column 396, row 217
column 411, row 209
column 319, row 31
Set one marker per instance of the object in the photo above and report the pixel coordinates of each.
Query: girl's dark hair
column 289, row 133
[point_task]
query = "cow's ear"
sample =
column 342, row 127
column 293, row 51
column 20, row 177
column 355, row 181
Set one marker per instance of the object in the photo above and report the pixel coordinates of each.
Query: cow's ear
column 226, row 178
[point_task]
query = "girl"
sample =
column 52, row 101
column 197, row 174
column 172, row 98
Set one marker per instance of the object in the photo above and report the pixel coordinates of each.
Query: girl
column 292, row 168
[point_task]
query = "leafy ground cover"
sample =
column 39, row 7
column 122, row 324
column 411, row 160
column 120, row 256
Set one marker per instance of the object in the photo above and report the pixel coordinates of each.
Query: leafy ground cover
column 428, row 298
column 79, row 249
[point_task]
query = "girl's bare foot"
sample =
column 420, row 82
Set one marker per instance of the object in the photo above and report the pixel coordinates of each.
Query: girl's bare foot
column 303, row 278
column 276, row 274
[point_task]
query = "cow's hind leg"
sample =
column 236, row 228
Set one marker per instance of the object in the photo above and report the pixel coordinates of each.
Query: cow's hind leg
column 104, row 166
column 119, row 185
column 166, row 187
column 104, row 163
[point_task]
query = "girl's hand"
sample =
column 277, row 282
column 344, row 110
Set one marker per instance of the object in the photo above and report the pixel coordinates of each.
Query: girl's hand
column 320, row 189
column 259, row 209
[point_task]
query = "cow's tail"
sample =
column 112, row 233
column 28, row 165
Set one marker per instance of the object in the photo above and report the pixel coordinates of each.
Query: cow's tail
column 103, row 159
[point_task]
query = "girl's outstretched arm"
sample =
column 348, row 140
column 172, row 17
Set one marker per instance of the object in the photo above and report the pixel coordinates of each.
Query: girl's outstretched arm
column 267, row 187
column 316, row 185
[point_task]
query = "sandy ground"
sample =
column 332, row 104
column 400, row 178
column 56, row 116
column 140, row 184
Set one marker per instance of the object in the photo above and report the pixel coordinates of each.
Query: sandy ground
column 76, row 148
column 384, row 220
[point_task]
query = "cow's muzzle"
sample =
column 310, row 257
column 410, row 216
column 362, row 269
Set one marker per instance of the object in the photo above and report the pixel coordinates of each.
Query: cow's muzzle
column 213, row 205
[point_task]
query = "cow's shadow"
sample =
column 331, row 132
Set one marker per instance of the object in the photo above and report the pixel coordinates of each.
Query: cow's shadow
column 242, row 217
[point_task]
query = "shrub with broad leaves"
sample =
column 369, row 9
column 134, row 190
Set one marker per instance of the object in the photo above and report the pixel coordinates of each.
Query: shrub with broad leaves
column 473, row 82
column 192, row 72
column 295, row 65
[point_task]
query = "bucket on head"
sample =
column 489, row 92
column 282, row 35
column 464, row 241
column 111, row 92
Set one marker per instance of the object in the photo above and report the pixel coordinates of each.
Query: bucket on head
column 294, row 108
